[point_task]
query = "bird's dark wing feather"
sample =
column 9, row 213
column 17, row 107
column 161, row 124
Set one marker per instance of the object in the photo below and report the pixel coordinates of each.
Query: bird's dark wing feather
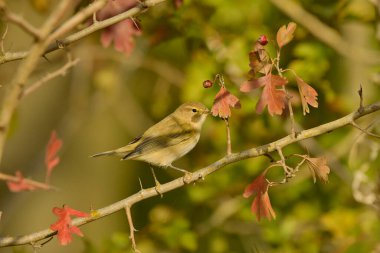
column 152, row 144
column 135, row 139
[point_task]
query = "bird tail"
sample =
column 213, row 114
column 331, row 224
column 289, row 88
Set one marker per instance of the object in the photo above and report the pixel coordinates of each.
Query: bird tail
column 107, row 153
column 123, row 151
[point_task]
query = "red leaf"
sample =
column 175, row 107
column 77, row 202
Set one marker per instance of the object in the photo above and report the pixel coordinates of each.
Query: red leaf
column 123, row 33
column 308, row 95
column 51, row 158
column 261, row 205
column 259, row 60
column 178, row 3
column 20, row 185
column 285, row 34
column 318, row 168
column 63, row 226
column 274, row 98
column 222, row 103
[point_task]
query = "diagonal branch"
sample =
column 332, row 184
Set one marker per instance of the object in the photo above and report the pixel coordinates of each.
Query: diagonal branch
column 12, row 95
column 59, row 72
column 21, row 22
column 15, row 89
column 197, row 175
column 7, row 57
column 37, row 184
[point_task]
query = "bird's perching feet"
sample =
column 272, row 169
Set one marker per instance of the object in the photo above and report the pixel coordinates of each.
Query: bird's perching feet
column 188, row 175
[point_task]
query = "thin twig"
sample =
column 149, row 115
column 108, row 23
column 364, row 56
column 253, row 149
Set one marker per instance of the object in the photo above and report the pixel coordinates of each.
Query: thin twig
column 229, row 148
column 197, row 175
column 288, row 97
column 289, row 172
column 2, row 40
column 85, row 32
column 353, row 123
column 360, row 92
column 78, row 18
column 132, row 229
column 59, row 72
column 22, row 23
column 37, row 184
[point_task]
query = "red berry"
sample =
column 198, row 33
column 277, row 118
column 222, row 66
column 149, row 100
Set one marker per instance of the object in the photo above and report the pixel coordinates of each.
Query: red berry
column 263, row 40
column 207, row 84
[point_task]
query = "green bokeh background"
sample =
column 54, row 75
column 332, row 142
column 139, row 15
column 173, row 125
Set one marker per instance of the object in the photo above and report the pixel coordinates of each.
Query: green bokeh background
column 108, row 99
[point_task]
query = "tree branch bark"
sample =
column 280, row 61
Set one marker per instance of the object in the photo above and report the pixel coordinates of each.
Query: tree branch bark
column 7, row 57
column 197, row 175
column 15, row 89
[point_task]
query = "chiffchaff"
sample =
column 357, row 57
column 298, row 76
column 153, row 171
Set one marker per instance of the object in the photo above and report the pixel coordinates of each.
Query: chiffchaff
column 168, row 140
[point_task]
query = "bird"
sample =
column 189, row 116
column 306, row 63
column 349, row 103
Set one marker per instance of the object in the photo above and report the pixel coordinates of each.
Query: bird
column 168, row 140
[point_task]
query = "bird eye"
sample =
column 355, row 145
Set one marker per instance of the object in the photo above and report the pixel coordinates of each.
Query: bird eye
column 194, row 110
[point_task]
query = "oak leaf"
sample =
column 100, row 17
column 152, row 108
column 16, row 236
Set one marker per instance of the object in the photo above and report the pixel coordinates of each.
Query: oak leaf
column 285, row 34
column 272, row 97
column 308, row 95
column 63, row 225
column 222, row 103
column 261, row 205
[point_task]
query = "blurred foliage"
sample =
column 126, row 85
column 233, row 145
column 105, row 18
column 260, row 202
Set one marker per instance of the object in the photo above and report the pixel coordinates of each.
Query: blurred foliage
column 108, row 99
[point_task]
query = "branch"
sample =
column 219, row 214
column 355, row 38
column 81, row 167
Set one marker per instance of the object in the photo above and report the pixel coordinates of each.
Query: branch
column 15, row 89
column 353, row 123
column 59, row 72
column 325, row 33
column 2, row 40
column 197, row 175
column 229, row 148
column 85, row 32
column 21, row 22
column 131, row 229
column 37, row 184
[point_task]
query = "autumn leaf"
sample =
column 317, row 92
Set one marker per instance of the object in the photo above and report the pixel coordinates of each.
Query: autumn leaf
column 285, row 34
column 51, row 158
column 272, row 97
column 63, row 225
column 261, row 205
column 259, row 61
column 222, row 103
column 123, row 33
column 20, row 185
column 308, row 95
column 178, row 3
column 318, row 168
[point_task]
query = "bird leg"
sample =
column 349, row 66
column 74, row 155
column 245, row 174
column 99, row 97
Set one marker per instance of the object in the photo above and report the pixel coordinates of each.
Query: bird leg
column 179, row 169
column 188, row 175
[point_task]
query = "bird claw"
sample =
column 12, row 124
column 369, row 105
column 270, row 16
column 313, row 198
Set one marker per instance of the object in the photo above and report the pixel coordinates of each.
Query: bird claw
column 188, row 177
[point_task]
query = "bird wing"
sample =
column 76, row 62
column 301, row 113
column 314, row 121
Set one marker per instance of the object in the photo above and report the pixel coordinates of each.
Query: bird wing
column 150, row 144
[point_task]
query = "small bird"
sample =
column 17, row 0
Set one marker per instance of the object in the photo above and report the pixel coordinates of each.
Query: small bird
column 168, row 140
